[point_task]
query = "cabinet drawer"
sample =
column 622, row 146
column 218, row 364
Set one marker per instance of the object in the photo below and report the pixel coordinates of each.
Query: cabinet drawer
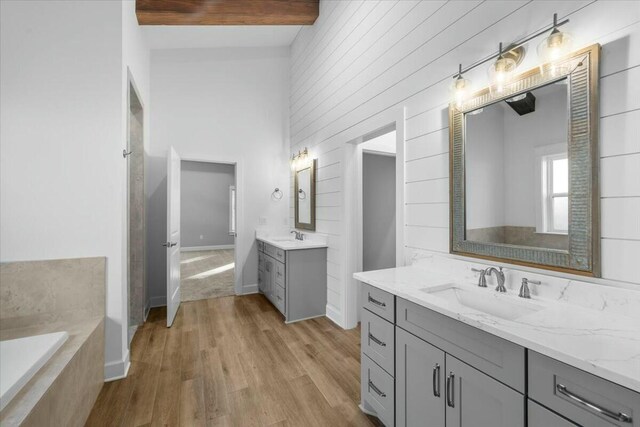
column 378, row 302
column 279, row 298
column 260, row 246
column 499, row 358
column 260, row 262
column 279, row 275
column 280, row 254
column 378, row 390
column 579, row 396
column 539, row 416
column 270, row 250
column 377, row 340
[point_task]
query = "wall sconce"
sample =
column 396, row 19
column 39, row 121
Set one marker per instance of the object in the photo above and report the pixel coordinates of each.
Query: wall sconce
column 299, row 159
column 554, row 46
column 460, row 89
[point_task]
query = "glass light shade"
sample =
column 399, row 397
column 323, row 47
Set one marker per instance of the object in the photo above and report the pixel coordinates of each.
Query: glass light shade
column 501, row 72
column 553, row 48
column 460, row 90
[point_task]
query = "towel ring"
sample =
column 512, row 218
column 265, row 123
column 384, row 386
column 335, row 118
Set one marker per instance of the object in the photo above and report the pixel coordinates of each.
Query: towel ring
column 301, row 194
column 277, row 194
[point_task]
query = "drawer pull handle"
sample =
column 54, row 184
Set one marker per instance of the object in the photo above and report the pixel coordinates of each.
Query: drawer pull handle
column 376, row 389
column 376, row 302
column 436, row 380
column 620, row 416
column 450, row 390
column 376, row 340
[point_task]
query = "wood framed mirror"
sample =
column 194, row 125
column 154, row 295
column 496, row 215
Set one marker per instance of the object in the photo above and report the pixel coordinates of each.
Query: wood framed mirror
column 305, row 196
column 524, row 169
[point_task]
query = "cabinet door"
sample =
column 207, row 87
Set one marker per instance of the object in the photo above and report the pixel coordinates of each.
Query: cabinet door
column 419, row 382
column 268, row 278
column 474, row 399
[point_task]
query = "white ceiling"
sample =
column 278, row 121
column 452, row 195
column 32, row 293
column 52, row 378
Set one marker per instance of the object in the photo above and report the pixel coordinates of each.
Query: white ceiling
column 214, row 36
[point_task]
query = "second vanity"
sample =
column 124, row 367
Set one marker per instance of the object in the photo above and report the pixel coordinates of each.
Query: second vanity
column 437, row 352
column 292, row 274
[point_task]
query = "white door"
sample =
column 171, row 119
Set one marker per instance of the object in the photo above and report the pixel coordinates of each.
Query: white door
column 173, row 235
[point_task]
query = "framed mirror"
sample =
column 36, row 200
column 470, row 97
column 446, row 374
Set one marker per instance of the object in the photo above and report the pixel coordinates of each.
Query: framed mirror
column 524, row 169
column 305, row 196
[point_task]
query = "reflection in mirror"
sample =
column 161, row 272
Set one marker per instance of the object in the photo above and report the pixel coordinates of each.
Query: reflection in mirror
column 516, row 170
column 304, row 202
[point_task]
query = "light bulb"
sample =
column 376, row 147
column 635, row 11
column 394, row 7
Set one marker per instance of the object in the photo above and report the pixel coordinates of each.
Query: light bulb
column 553, row 48
column 460, row 89
column 501, row 70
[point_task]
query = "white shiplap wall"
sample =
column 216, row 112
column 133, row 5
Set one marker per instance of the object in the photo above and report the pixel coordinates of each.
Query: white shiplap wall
column 364, row 59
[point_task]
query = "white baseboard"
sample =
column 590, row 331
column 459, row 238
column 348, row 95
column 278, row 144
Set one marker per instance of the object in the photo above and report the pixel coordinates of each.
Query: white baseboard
column 117, row 370
column 249, row 289
column 160, row 301
column 206, row 248
column 335, row 316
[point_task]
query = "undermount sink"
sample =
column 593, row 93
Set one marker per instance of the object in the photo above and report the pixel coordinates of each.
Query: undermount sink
column 485, row 301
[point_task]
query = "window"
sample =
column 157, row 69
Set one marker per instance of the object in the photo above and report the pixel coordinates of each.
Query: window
column 553, row 180
column 232, row 210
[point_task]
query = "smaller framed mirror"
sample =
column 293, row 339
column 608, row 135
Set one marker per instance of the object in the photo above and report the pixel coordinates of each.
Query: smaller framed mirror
column 305, row 196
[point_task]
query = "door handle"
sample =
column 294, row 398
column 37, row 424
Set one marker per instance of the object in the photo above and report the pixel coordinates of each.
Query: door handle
column 436, row 380
column 620, row 416
column 450, row 390
column 169, row 244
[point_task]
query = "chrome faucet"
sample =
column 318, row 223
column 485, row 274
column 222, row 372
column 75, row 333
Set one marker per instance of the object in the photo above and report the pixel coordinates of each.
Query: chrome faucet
column 524, row 288
column 499, row 277
column 299, row 235
column 482, row 280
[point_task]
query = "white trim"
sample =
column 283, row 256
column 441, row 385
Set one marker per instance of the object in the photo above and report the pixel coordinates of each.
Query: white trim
column 249, row 289
column 334, row 315
column 155, row 302
column 117, row 370
column 352, row 205
column 206, row 248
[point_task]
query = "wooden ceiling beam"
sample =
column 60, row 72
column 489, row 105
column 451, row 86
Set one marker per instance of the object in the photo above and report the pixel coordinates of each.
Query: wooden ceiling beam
column 227, row 12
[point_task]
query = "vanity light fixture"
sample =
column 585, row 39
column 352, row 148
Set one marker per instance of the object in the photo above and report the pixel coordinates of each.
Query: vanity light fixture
column 299, row 159
column 554, row 46
column 506, row 60
column 460, row 88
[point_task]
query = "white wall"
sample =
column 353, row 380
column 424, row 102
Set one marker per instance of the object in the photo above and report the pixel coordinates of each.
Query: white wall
column 204, row 204
column 63, row 116
column 364, row 60
column 225, row 105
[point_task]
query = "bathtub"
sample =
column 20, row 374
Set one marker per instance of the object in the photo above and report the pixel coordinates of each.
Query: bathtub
column 21, row 358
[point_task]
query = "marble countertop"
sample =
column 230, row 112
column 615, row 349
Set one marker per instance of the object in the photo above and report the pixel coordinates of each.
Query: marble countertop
column 601, row 343
column 289, row 244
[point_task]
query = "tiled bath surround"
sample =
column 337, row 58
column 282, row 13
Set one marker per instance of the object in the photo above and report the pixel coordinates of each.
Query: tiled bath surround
column 38, row 297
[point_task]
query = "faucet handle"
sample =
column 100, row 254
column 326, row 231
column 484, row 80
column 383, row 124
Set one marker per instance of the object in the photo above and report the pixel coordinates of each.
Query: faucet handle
column 524, row 288
column 533, row 282
column 482, row 280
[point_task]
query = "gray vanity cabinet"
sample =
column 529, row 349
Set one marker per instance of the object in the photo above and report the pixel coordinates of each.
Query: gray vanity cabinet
column 295, row 281
column 420, row 391
column 475, row 399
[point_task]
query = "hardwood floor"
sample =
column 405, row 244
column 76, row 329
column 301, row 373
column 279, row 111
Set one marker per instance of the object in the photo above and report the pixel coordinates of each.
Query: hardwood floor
column 233, row 361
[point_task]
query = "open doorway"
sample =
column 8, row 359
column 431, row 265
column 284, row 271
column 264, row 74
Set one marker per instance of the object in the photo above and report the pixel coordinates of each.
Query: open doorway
column 379, row 202
column 208, row 230
column 134, row 154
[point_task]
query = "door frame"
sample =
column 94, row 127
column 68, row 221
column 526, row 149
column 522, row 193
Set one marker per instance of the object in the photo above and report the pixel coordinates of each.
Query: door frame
column 131, row 330
column 240, row 229
column 353, row 207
